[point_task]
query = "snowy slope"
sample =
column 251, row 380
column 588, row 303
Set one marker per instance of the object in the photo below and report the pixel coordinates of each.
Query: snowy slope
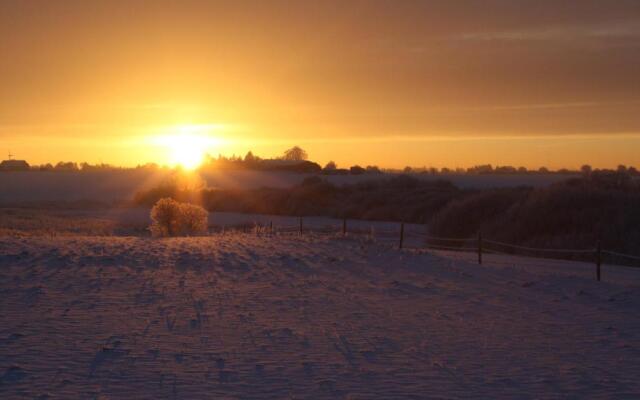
column 241, row 316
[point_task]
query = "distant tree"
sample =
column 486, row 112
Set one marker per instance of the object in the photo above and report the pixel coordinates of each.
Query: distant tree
column 445, row 170
column 295, row 154
column 407, row 170
column 249, row 158
column 85, row 167
column 586, row 170
column 373, row 169
column 356, row 170
column 301, row 167
column 331, row 166
column 148, row 166
column 522, row 170
column 66, row 166
column 480, row 169
column 622, row 169
column 543, row 170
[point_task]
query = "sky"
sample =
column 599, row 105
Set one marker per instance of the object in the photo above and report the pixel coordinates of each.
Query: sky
column 392, row 83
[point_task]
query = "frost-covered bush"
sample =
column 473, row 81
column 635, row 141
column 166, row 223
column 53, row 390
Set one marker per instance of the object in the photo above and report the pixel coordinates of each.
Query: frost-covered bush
column 194, row 219
column 165, row 217
column 172, row 218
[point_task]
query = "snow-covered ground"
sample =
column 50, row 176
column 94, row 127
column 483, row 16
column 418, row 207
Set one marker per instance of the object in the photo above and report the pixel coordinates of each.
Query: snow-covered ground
column 135, row 221
column 243, row 316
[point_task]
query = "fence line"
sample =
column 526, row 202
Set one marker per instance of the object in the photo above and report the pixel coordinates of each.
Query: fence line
column 538, row 248
column 467, row 245
column 447, row 239
column 613, row 253
column 453, row 248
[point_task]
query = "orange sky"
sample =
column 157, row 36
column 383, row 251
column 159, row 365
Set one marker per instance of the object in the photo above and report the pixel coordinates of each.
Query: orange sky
column 422, row 83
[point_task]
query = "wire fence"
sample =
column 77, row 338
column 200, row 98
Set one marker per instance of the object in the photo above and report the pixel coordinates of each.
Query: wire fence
column 410, row 238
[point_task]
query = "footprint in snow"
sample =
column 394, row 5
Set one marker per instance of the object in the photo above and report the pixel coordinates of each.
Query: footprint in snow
column 12, row 374
column 227, row 376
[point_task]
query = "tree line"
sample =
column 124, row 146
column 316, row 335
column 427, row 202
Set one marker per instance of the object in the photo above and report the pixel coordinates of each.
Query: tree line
column 296, row 159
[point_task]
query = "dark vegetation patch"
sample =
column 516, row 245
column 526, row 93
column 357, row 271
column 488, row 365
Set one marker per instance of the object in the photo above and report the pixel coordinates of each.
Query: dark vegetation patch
column 575, row 213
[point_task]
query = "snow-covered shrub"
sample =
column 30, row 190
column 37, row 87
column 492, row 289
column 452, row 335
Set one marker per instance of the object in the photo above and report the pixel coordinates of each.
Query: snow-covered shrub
column 165, row 217
column 172, row 218
column 194, row 219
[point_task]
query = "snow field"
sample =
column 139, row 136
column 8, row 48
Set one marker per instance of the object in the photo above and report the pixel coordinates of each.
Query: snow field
column 241, row 316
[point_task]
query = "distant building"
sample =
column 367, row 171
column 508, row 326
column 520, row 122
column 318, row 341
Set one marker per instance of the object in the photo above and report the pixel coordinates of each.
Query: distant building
column 14, row 165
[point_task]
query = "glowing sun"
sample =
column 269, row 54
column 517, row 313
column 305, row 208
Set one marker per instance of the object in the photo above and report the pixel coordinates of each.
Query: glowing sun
column 187, row 147
column 186, row 151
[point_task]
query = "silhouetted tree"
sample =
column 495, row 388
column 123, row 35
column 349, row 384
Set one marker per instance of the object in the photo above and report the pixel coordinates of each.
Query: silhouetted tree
column 295, row 154
column 586, row 170
column 249, row 158
column 66, row 166
column 331, row 166
column 480, row 169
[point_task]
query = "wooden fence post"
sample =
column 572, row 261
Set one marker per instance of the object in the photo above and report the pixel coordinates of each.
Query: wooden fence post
column 344, row 227
column 301, row 225
column 401, row 234
column 598, row 260
column 479, row 247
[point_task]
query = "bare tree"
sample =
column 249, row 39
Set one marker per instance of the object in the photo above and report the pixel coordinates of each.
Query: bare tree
column 295, row 154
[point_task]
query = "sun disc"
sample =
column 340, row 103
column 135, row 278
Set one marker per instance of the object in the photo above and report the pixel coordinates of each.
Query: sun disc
column 186, row 146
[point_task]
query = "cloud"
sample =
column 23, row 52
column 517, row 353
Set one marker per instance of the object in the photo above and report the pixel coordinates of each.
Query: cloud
column 618, row 31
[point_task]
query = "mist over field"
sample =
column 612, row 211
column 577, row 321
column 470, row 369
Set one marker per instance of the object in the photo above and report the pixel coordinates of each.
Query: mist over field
column 122, row 185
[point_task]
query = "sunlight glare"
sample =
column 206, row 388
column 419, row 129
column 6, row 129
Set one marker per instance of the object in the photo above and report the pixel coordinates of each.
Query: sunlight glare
column 188, row 147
